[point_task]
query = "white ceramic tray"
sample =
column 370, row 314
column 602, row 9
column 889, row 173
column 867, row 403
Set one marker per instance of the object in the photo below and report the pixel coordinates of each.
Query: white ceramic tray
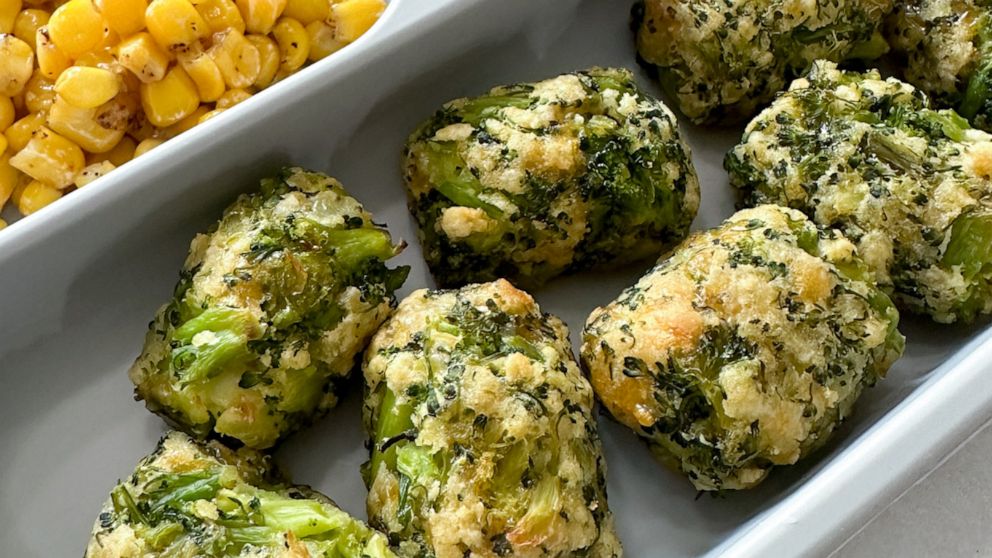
column 80, row 280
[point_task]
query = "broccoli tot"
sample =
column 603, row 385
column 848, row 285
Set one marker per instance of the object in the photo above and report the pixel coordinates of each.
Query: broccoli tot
column 911, row 186
column 483, row 440
column 533, row 180
column 745, row 348
column 272, row 308
column 947, row 45
column 190, row 499
column 724, row 59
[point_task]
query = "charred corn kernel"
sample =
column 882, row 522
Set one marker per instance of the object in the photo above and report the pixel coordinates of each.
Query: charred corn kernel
column 123, row 16
column 51, row 60
column 294, row 43
column 82, row 126
column 120, row 154
column 306, row 11
column 142, row 55
column 205, row 74
column 175, row 24
column 92, row 172
column 76, row 27
column 210, row 115
column 323, row 42
column 87, row 87
column 232, row 97
column 35, row 196
column 238, row 59
column 19, row 133
column 170, row 99
column 16, row 64
column 146, row 145
column 39, row 94
column 269, row 59
column 50, row 158
column 28, row 22
column 8, row 13
column 7, row 113
column 351, row 18
column 10, row 178
column 220, row 15
column 260, row 15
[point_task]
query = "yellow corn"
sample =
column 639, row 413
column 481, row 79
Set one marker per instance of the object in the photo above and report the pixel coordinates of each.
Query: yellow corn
column 352, row 18
column 50, row 158
column 294, row 44
column 76, row 27
column 123, row 16
column 8, row 13
column 19, row 133
column 220, row 15
column 170, row 99
column 306, row 11
column 209, row 115
column 142, row 55
column 101, row 57
column 260, row 15
column 39, row 94
column 232, row 97
column 16, row 64
column 3, row 143
column 185, row 124
column 323, row 41
column 6, row 113
column 269, row 59
column 92, row 172
column 28, row 22
column 35, row 196
column 120, row 154
column 147, row 145
column 205, row 74
column 9, row 178
column 51, row 60
column 86, row 87
column 175, row 24
column 3, row 224
column 237, row 59
column 82, row 126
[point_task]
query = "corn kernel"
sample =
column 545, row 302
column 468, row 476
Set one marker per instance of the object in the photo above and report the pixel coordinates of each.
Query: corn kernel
column 352, row 18
column 8, row 13
column 142, row 55
column 82, row 126
column 294, row 44
column 323, row 43
column 147, row 145
column 93, row 172
column 6, row 113
column 51, row 60
column 175, row 24
column 120, row 154
column 237, row 59
column 269, row 59
column 16, row 64
column 209, row 115
column 10, row 178
column 102, row 57
column 307, row 11
column 205, row 74
column 232, row 97
column 35, row 196
column 50, row 158
column 171, row 99
column 86, row 87
column 3, row 143
column 39, row 94
column 220, row 15
column 140, row 128
column 76, row 27
column 19, row 133
column 123, row 16
column 28, row 22
column 260, row 15
column 185, row 124
column 3, row 224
